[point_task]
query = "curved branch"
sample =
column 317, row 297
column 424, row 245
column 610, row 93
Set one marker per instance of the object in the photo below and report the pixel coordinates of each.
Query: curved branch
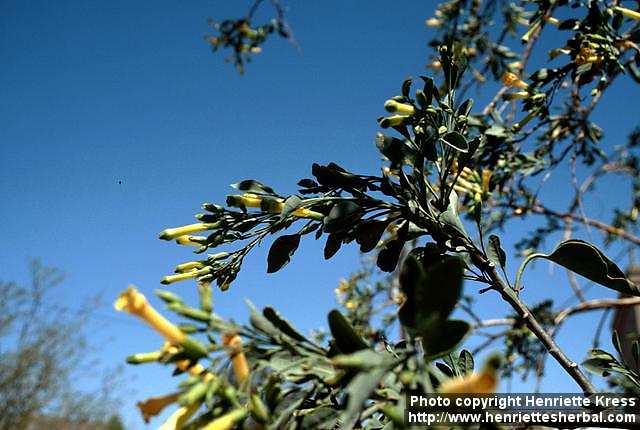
column 593, row 305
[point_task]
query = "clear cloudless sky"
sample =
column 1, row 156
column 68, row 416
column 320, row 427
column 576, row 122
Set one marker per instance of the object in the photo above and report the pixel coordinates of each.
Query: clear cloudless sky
column 117, row 121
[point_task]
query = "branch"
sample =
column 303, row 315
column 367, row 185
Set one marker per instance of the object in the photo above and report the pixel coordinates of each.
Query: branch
column 607, row 228
column 532, row 323
column 593, row 305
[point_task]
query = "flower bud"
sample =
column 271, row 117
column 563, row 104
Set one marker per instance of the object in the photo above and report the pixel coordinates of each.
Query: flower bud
column 144, row 357
column 258, row 409
column 168, row 296
column 227, row 421
column 194, row 394
column 510, row 79
column 179, row 418
column 400, row 108
column 433, row 22
column 188, row 266
column 205, row 294
column 628, row 12
column 392, row 121
column 191, row 240
column 172, row 233
column 189, row 312
column 170, row 279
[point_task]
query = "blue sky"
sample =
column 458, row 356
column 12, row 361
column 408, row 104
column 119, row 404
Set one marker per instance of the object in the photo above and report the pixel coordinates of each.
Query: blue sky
column 116, row 121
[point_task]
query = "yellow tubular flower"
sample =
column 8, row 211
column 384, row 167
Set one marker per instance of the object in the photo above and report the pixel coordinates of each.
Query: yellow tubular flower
column 228, row 420
column 255, row 201
column 144, row 357
column 510, row 79
column 483, row 382
column 170, row 279
column 517, row 95
column 179, row 418
column 173, row 233
column 400, row 108
column 433, row 22
column 154, row 405
column 135, row 303
column 587, row 55
column 628, row 12
column 553, row 21
column 238, row 359
column 185, row 267
column 189, row 240
column 470, row 187
column 486, row 180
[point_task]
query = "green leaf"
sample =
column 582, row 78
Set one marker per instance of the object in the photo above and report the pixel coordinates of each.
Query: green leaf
column 450, row 217
column 495, row 252
column 635, row 351
column 602, row 363
column 281, row 251
column 406, row 87
column 456, row 141
column 588, row 261
column 389, row 255
column 332, row 245
column 347, row 340
column 615, row 341
column 333, row 175
column 342, row 216
column 359, row 390
column 284, row 325
column 364, row 359
column 253, row 186
column 442, row 338
column 465, row 107
column 261, row 323
column 432, row 289
column 465, row 362
column 369, row 233
column 290, row 204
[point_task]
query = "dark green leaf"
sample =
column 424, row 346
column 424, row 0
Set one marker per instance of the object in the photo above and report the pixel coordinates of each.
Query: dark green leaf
column 406, row 87
column 342, row 216
column 444, row 368
column 588, row 261
column 281, row 251
column 442, row 338
column 359, row 390
column 346, row 338
column 389, row 255
column 253, row 186
column 369, row 233
column 432, row 290
column 465, row 361
column 290, row 204
column 284, row 325
column 456, row 141
column 495, row 252
column 465, row 107
column 332, row 245
column 615, row 341
column 333, row 175
column 307, row 183
column 450, row 217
